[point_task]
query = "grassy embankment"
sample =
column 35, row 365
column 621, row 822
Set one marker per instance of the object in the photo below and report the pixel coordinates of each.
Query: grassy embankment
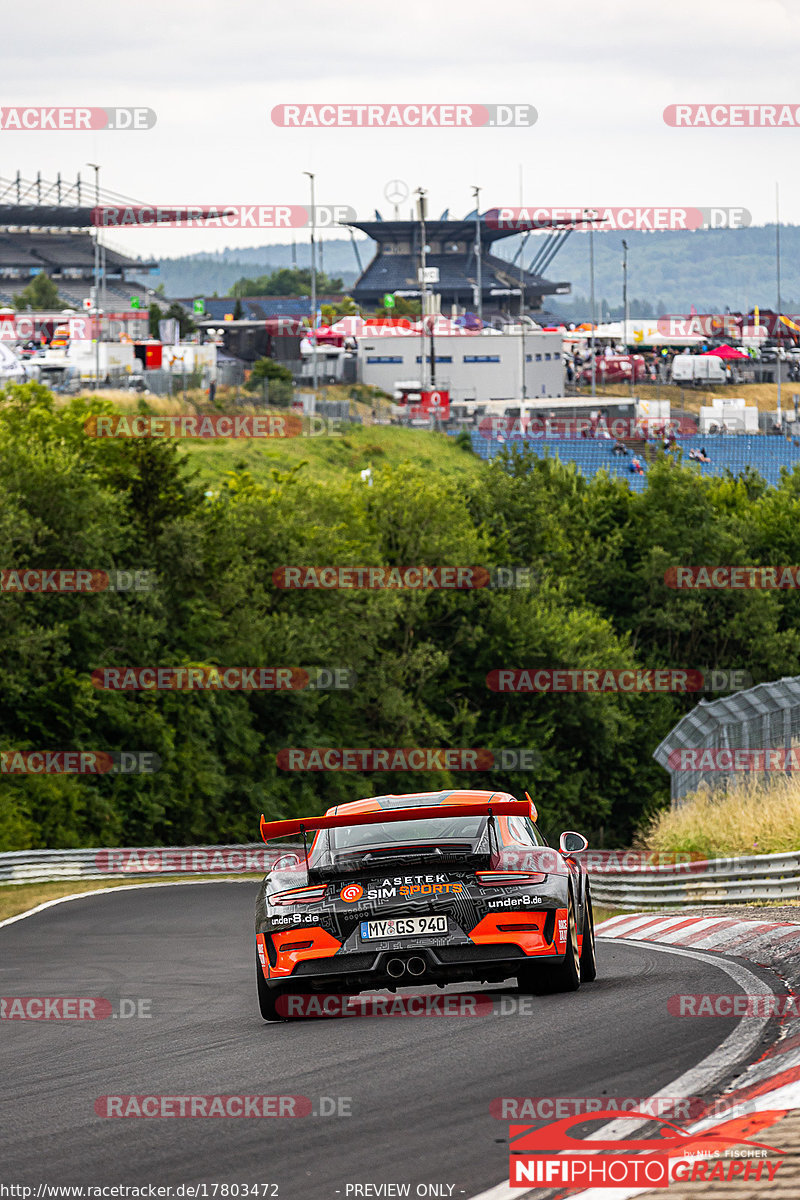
column 757, row 817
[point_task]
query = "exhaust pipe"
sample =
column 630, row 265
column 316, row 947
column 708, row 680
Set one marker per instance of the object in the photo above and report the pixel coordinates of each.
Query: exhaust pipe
column 416, row 966
column 395, row 967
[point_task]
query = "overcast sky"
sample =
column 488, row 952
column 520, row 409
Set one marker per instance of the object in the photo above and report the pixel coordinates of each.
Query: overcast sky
column 599, row 75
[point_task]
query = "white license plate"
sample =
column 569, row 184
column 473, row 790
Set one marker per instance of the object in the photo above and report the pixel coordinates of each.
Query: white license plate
column 393, row 927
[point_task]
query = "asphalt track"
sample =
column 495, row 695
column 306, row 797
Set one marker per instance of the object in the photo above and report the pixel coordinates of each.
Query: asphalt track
column 419, row 1088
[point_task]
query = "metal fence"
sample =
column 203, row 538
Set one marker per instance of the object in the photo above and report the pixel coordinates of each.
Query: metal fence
column 765, row 717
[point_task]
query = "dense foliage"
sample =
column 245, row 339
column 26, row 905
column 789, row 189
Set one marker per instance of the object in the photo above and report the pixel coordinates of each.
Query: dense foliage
column 421, row 658
column 286, row 282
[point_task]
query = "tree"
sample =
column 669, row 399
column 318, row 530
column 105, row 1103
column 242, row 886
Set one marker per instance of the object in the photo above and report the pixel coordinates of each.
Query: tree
column 40, row 295
column 238, row 311
column 286, row 282
column 347, row 307
column 278, row 377
column 402, row 308
column 175, row 311
column 154, row 314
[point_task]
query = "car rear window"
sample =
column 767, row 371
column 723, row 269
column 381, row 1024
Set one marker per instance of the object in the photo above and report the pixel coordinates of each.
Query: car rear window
column 406, row 833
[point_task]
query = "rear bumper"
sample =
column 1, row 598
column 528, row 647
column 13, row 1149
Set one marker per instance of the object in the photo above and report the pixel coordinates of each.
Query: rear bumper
column 494, row 952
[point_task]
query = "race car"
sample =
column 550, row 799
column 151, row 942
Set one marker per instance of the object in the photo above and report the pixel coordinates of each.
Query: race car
column 429, row 888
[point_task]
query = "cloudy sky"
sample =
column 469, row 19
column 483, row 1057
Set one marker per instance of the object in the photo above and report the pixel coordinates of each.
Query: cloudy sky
column 599, row 76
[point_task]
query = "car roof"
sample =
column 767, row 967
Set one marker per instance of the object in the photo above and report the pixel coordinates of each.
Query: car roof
column 417, row 800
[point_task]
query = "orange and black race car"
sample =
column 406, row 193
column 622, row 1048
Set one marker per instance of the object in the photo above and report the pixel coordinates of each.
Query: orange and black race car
column 430, row 888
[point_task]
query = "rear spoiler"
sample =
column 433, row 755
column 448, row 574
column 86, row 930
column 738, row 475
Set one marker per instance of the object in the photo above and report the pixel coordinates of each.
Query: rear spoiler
column 471, row 808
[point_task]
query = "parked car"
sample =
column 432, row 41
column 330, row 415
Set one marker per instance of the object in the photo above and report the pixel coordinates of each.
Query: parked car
column 615, row 369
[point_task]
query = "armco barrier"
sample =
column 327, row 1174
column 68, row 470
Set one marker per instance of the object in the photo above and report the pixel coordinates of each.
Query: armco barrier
column 711, row 881
column 620, row 879
column 46, row 866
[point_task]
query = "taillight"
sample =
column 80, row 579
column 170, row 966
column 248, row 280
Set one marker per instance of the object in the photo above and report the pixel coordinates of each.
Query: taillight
column 306, row 895
column 296, row 946
column 507, row 878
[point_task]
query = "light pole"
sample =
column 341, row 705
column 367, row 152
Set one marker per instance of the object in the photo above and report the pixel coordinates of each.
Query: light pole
column 591, row 214
column 96, row 168
column 313, row 284
column 476, row 191
column 522, row 311
column 778, row 274
column 423, row 282
column 625, row 304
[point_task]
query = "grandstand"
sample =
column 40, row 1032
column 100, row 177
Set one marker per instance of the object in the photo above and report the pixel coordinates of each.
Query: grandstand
column 451, row 249
column 43, row 228
column 766, row 454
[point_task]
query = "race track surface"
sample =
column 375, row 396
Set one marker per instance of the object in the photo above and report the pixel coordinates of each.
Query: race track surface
column 419, row 1089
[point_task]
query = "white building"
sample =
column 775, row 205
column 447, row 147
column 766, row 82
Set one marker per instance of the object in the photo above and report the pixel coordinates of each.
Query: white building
column 479, row 367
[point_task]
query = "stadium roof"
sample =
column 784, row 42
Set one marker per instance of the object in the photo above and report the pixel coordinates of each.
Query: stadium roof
column 388, row 231
column 55, row 252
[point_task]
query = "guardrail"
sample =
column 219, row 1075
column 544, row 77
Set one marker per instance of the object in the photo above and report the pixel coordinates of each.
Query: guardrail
column 619, row 879
column 48, row 866
column 705, row 881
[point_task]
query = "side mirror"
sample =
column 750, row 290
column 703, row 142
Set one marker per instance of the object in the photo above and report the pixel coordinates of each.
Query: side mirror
column 285, row 862
column 572, row 843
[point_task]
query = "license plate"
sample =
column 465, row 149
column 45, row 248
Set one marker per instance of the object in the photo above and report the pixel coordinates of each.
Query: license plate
column 393, row 927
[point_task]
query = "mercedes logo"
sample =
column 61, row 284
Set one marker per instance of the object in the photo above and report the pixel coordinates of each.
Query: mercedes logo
column 396, row 191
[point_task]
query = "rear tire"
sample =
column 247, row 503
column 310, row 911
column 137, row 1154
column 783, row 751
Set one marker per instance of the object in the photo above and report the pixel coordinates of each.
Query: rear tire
column 588, row 955
column 267, row 997
column 564, row 976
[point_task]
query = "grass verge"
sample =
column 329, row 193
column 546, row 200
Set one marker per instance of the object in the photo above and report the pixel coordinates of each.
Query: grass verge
column 755, row 817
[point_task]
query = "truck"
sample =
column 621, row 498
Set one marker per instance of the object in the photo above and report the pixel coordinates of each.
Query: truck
column 696, row 368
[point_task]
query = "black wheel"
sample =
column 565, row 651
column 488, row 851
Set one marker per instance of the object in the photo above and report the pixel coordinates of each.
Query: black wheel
column 588, row 956
column 563, row 976
column 268, row 997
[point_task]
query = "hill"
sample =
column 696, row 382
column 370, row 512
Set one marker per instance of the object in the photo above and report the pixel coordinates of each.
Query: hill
column 667, row 272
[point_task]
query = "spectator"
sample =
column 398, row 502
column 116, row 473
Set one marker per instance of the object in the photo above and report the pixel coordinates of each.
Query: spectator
column 619, row 447
column 636, row 467
column 693, row 455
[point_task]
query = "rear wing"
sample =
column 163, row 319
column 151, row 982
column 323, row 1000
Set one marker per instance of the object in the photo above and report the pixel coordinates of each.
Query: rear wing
column 470, row 808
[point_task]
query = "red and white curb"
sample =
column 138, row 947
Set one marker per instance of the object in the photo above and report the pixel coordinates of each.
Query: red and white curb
column 772, row 1082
